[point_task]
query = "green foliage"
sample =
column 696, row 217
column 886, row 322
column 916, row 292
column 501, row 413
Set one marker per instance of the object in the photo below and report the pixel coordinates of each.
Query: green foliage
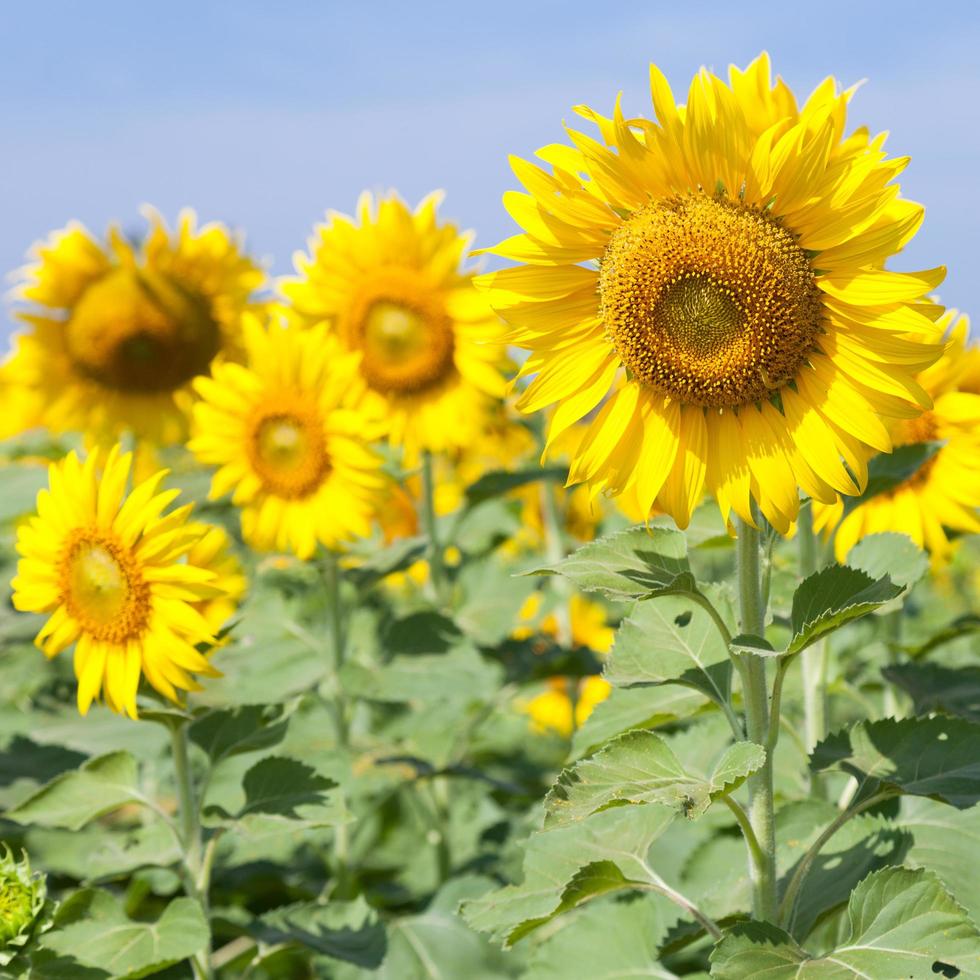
column 902, row 923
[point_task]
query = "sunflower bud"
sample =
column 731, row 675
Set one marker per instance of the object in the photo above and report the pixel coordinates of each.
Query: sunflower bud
column 23, row 896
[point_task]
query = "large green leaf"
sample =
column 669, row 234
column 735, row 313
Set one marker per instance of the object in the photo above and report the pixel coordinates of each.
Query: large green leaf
column 891, row 554
column 628, row 709
column 349, row 931
column 496, row 483
column 628, row 564
column 935, row 757
column 903, row 923
column 94, row 929
column 671, row 640
column 620, row 837
column 945, row 841
column 638, row 768
column 832, row 597
column 606, row 941
column 74, row 798
column 932, row 687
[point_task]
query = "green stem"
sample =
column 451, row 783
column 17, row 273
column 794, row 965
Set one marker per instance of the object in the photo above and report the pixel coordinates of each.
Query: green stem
column 756, row 697
column 338, row 645
column 554, row 547
column 437, row 570
column 813, row 660
column 893, row 636
column 190, row 835
column 787, row 908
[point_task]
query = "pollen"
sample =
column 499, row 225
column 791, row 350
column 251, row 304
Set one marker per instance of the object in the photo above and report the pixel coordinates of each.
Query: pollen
column 102, row 586
column 709, row 301
column 286, row 446
column 137, row 331
column 403, row 331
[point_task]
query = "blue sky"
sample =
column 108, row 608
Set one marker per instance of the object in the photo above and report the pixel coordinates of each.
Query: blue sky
column 264, row 114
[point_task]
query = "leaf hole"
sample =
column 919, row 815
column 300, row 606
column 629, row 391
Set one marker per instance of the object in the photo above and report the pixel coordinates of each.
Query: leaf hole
column 946, row 969
column 683, row 619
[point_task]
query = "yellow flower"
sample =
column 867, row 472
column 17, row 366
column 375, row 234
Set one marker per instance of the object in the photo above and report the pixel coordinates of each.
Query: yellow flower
column 587, row 622
column 113, row 570
column 553, row 710
column 391, row 288
column 117, row 332
column 289, row 446
column 944, row 493
column 212, row 550
column 717, row 279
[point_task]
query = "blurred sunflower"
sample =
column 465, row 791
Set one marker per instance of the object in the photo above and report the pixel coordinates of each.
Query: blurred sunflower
column 287, row 443
column 568, row 701
column 113, row 571
column 944, row 492
column 117, row 332
column 720, row 275
column 391, row 287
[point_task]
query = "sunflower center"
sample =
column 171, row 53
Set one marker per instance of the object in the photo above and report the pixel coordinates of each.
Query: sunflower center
column 403, row 331
column 102, row 586
column 140, row 332
column 708, row 301
column 287, row 449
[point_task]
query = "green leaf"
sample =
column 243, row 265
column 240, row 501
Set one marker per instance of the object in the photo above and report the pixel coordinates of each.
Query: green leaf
column 757, row 646
column 98, row 853
column 945, row 841
column 349, row 931
column 436, row 943
column 888, row 470
column 638, row 768
column 382, row 562
column 496, row 483
column 628, row 564
column 935, row 757
column 902, row 923
column 92, row 926
column 628, row 709
column 671, row 640
column 832, row 597
column 934, row 688
column 606, row 942
column 552, row 858
column 892, row 554
column 278, row 789
column 74, row 798
column 226, row 732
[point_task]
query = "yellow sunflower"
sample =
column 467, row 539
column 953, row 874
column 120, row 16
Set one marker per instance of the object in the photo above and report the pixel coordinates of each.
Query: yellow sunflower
column 114, row 571
column 391, row 287
column 212, row 550
column 715, row 281
column 944, row 493
column 117, row 332
column 287, row 442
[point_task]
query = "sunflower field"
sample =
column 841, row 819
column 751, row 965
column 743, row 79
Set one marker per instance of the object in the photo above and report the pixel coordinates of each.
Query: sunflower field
column 600, row 604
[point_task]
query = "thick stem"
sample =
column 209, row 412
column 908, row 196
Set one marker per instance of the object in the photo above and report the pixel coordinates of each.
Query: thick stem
column 190, row 835
column 893, row 636
column 813, row 660
column 437, row 570
column 756, row 697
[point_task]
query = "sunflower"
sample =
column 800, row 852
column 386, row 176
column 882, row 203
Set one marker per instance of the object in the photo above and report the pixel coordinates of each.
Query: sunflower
column 944, row 492
column 117, row 332
column 287, row 441
column 113, row 571
column 715, row 281
column 391, row 287
column 212, row 550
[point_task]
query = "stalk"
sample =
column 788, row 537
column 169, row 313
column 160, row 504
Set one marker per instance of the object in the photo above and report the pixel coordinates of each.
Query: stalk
column 437, row 570
column 813, row 660
column 756, row 696
column 190, row 836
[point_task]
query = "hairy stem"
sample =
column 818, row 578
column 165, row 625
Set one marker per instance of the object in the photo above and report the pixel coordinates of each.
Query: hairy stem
column 756, row 697
column 190, row 836
column 813, row 660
